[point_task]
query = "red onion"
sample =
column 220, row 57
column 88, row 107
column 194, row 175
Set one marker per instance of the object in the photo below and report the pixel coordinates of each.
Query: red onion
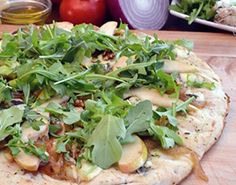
column 140, row 14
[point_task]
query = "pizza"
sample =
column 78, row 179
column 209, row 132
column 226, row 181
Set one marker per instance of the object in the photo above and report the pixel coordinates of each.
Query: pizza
column 88, row 105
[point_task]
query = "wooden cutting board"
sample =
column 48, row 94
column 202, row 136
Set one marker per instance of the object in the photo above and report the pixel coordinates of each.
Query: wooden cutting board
column 219, row 51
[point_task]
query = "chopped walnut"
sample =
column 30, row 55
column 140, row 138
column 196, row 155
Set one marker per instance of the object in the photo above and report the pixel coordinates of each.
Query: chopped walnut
column 108, row 55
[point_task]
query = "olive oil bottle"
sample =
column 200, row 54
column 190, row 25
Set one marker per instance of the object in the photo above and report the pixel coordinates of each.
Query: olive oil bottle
column 25, row 12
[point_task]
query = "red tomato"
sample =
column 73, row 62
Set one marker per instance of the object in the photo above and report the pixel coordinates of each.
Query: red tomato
column 83, row 11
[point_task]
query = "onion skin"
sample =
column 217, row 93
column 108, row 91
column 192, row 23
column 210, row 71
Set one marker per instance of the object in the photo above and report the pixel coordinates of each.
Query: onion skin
column 139, row 14
column 116, row 11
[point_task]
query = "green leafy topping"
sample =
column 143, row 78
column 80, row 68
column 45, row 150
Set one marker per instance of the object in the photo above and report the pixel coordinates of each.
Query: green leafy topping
column 106, row 147
column 138, row 119
column 196, row 9
column 38, row 64
column 170, row 113
column 186, row 43
column 9, row 117
column 200, row 84
column 69, row 117
column 167, row 136
column 15, row 144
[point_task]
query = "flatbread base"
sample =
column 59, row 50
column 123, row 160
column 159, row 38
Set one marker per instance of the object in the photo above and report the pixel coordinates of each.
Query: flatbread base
column 199, row 131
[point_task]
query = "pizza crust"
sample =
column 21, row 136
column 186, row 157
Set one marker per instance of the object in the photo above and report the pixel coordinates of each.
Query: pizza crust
column 199, row 132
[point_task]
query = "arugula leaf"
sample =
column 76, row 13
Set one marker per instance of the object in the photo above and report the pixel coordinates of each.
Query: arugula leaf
column 170, row 113
column 15, row 144
column 5, row 70
column 5, row 90
column 138, row 119
column 166, row 83
column 61, row 147
column 107, row 149
column 9, row 117
column 197, row 84
column 68, row 118
column 167, row 136
column 196, row 9
column 53, row 129
column 186, row 43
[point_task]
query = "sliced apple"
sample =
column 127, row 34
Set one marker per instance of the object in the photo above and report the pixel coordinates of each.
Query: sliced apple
column 134, row 156
column 26, row 161
column 109, row 28
column 88, row 171
column 177, row 66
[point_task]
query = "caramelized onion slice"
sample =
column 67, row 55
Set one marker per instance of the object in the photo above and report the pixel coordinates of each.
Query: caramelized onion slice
column 178, row 151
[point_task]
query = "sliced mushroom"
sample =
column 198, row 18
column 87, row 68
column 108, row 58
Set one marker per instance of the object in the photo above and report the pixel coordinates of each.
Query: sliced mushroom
column 180, row 67
column 109, row 28
column 26, row 161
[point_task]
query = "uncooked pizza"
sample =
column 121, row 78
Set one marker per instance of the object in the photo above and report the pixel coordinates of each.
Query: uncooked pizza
column 89, row 105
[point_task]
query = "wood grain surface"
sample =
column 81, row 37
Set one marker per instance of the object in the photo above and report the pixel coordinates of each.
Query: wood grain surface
column 219, row 51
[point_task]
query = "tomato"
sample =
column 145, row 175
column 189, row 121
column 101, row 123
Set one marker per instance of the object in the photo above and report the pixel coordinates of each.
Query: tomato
column 83, row 11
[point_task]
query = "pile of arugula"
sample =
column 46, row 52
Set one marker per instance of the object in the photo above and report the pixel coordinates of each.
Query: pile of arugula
column 46, row 62
column 196, row 9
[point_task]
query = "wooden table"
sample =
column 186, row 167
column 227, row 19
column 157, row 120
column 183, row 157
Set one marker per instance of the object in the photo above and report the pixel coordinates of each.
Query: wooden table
column 219, row 51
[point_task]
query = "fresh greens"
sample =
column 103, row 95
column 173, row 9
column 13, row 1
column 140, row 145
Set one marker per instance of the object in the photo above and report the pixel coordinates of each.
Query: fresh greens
column 42, row 64
column 106, row 147
column 69, row 117
column 138, row 119
column 9, row 117
column 196, row 9
column 167, row 136
column 170, row 113
column 202, row 84
column 15, row 144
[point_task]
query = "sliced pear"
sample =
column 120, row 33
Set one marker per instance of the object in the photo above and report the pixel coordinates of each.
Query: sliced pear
column 109, row 28
column 134, row 156
column 30, row 133
column 71, row 172
column 152, row 95
column 180, row 67
column 8, row 155
column 88, row 171
column 155, row 97
column 121, row 62
column 27, row 161
column 65, row 26
column 41, row 108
